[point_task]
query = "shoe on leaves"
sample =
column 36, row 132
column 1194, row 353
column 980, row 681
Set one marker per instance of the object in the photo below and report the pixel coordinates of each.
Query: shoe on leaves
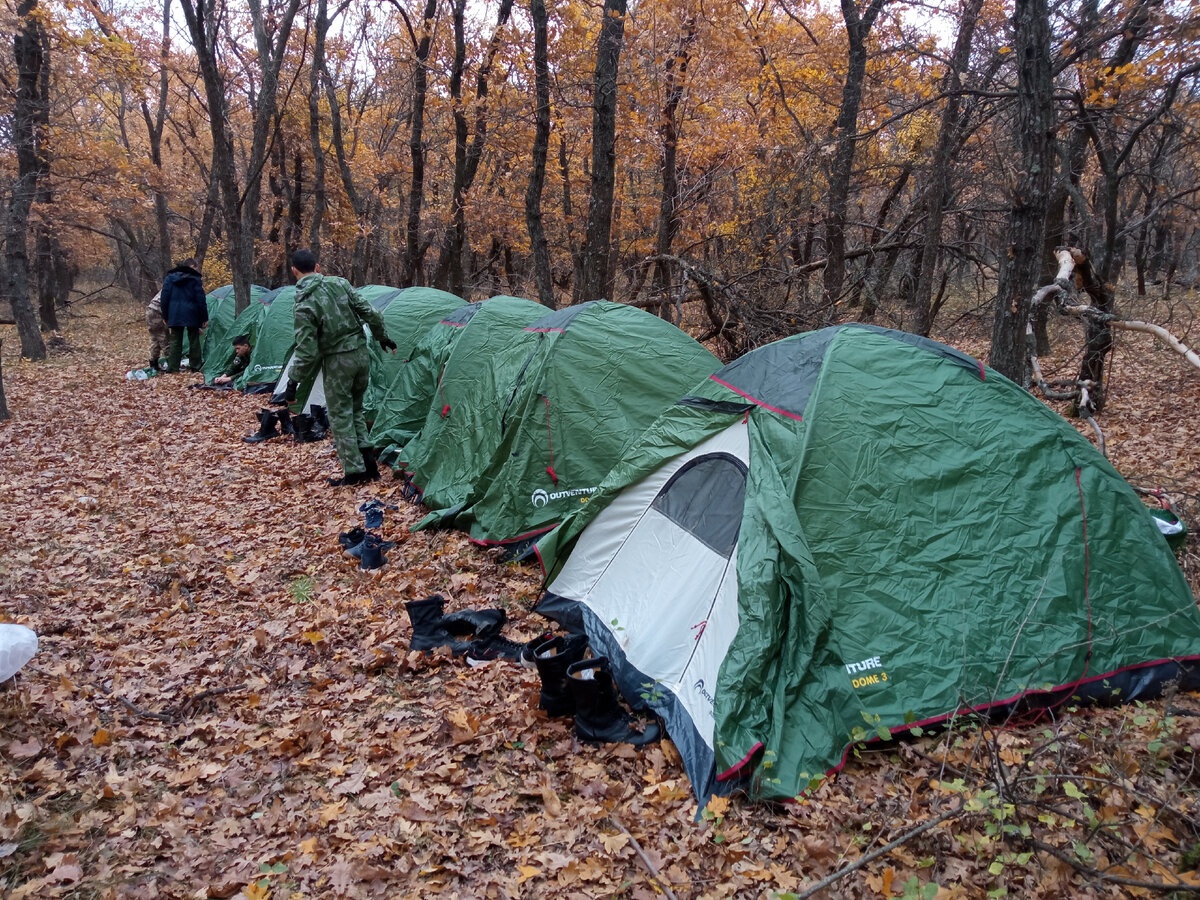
column 350, row 478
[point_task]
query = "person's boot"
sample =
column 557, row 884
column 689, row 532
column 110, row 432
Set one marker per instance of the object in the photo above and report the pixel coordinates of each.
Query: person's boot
column 268, row 427
column 350, row 478
column 302, row 425
column 599, row 717
column 285, row 421
column 370, row 462
column 371, row 554
column 552, row 659
column 428, row 631
column 369, row 539
column 352, row 538
column 482, row 624
column 153, row 363
column 320, row 421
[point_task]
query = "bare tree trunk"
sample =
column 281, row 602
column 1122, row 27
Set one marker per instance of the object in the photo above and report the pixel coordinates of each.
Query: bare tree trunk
column 541, row 149
column 242, row 216
column 668, row 132
column 28, row 118
column 939, row 190
column 466, row 155
column 595, row 277
column 4, row 413
column 1021, row 268
column 423, row 43
column 315, row 72
column 858, row 28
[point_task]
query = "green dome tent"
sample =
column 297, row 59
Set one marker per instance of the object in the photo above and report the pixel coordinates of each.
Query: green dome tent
column 400, row 410
column 273, row 338
column 850, row 532
column 223, row 326
column 592, row 378
column 408, row 314
column 464, row 416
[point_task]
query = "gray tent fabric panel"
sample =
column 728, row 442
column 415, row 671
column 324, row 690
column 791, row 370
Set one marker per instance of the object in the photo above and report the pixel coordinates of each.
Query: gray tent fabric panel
column 706, row 498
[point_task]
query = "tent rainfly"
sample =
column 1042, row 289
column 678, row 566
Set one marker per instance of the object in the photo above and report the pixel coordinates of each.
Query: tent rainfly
column 591, row 379
column 850, row 532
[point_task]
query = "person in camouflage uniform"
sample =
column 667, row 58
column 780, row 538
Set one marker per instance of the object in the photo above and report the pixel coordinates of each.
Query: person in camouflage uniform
column 329, row 319
column 160, row 334
column 241, row 359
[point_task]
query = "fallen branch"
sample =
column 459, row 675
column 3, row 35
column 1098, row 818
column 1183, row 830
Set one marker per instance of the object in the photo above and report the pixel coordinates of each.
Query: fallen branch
column 645, row 860
column 886, row 848
column 1077, row 865
column 145, row 714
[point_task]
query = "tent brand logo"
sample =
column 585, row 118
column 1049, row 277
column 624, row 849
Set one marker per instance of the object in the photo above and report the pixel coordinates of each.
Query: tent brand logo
column 864, row 675
column 703, row 692
column 540, row 497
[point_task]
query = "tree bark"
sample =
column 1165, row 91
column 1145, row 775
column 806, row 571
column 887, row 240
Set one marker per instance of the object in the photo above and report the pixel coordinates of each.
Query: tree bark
column 317, row 146
column 4, row 413
column 596, row 276
column 858, row 29
column 423, row 43
column 668, row 133
column 939, row 189
column 541, row 150
column 1021, row 268
column 28, row 117
column 242, row 215
column 466, row 155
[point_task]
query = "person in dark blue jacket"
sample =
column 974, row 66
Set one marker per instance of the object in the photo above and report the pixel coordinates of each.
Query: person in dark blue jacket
column 184, row 307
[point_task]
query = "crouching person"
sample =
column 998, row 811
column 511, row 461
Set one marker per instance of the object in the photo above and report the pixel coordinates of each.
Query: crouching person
column 237, row 365
column 329, row 319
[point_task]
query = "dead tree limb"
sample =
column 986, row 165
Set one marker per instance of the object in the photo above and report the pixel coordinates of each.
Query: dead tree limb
column 1062, row 292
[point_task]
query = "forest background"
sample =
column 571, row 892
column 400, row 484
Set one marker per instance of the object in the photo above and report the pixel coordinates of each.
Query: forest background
column 747, row 170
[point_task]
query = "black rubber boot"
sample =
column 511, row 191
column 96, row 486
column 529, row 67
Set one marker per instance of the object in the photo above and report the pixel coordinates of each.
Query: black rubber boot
column 482, row 624
column 268, row 427
column 599, row 717
column 428, row 631
column 302, row 425
column 552, row 659
column 285, row 421
column 370, row 462
column 321, row 421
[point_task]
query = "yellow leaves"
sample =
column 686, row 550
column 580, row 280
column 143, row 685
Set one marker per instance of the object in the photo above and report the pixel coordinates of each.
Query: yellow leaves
column 101, row 737
column 717, row 807
column 525, row 873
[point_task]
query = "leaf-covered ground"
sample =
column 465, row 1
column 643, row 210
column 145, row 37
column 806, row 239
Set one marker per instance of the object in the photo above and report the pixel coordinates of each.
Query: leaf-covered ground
column 223, row 704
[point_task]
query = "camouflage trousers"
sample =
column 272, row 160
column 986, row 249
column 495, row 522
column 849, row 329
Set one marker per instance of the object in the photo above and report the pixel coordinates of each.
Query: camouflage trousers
column 160, row 334
column 346, row 376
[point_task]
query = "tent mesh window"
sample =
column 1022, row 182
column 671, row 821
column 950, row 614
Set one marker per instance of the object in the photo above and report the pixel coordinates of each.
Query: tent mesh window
column 705, row 498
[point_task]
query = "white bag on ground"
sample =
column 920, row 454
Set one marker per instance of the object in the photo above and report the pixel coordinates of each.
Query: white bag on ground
column 17, row 646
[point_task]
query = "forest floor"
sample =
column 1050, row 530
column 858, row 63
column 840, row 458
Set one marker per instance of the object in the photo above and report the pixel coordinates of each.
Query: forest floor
column 224, row 705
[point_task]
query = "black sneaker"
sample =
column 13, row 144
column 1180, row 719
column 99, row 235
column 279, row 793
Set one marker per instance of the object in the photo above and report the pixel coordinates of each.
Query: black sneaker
column 481, row 653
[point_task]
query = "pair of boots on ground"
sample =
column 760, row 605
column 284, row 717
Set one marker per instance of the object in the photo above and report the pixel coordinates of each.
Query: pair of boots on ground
column 575, row 684
column 473, row 633
column 365, row 546
column 306, row 428
column 363, row 543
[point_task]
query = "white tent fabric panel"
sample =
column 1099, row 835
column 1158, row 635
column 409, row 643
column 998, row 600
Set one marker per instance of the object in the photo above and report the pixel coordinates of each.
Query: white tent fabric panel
column 668, row 600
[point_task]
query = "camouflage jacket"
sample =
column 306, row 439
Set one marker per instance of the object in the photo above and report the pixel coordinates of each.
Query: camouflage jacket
column 330, row 315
